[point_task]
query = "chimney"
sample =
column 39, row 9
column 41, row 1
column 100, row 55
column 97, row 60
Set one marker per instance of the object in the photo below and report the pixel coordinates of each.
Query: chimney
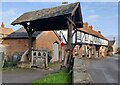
column 99, row 32
column 114, row 38
column 90, row 27
column 3, row 25
column 85, row 24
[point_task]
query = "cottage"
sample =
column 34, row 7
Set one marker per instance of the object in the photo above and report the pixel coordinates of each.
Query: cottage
column 17, row 42
column 91, row 43
column 4, row 31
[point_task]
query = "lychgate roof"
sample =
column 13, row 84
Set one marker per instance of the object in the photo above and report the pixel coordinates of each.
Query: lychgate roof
column 45, row 13
column 51, row 18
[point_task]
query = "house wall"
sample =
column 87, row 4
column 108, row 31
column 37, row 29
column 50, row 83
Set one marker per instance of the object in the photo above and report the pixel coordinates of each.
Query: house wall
column 114, row 48
column 89, row 51
column 15, row 45
column 46, row 40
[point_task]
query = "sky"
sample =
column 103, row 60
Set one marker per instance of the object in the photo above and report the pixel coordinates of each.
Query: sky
column 103, row 16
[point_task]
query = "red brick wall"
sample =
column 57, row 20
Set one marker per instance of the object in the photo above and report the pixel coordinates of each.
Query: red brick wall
column 46, row 40
column 15, row 45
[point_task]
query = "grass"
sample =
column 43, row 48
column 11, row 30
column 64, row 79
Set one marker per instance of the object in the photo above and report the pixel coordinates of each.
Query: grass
column 52, row 65
column 61, row 77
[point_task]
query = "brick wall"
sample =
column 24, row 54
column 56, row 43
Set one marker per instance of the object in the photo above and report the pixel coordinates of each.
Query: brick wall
column 46, row 40
column 15, row 45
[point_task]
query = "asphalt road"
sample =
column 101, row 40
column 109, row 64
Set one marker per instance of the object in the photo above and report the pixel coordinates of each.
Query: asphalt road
column 25, row 77
column 104, row 70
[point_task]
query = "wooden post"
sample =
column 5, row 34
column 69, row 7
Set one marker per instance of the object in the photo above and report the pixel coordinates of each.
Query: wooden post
column 30, row 32
column 30, row 43
column 69, row 46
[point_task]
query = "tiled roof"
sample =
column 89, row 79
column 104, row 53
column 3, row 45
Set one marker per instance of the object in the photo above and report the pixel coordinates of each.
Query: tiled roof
column 4, row 30
column 89, row 29
column 46, row 13
column 21, row 33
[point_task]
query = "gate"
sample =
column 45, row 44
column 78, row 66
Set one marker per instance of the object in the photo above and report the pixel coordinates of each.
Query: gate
column 40, row 58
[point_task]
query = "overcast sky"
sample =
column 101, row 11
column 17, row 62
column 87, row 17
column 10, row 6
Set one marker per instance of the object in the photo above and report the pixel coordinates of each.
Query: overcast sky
column 103, row 16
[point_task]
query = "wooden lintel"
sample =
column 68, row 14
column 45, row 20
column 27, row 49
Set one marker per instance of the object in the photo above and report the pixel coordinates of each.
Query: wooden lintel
column 71, row 21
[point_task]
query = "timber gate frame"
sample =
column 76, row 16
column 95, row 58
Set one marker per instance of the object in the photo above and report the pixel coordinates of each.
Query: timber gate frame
column 56, row 18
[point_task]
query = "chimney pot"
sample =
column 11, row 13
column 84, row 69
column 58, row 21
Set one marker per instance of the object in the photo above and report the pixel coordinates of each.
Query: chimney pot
column 99, row 32
column 90, row 27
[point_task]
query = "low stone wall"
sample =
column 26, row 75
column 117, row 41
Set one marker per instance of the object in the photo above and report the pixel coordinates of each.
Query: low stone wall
column 80, row 74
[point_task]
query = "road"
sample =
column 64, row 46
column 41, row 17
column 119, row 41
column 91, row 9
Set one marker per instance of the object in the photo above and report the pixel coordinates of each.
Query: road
column 25, row 77
column 104, row 70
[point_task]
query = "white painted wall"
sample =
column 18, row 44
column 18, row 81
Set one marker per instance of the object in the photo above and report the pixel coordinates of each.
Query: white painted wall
column 86, row 38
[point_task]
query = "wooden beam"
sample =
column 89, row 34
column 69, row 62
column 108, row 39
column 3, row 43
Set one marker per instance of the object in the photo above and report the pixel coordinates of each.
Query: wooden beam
column 71, row 21
column 73, row 12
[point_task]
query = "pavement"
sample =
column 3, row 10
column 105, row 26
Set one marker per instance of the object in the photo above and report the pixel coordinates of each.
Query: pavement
column 104, row 70
column 26, row 77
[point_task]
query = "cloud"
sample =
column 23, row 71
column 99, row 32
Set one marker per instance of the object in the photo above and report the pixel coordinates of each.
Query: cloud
column 92, row 18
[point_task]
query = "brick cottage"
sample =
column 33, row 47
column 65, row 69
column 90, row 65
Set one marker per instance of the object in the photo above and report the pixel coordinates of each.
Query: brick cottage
column 17, row 42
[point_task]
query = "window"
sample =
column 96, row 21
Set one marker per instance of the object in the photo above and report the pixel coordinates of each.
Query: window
column 86, row 37
column 78, row 35
column 95, row 39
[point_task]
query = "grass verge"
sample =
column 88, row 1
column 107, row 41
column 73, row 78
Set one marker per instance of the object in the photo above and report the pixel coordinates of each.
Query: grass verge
column 55, row 78
column 52, row 65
